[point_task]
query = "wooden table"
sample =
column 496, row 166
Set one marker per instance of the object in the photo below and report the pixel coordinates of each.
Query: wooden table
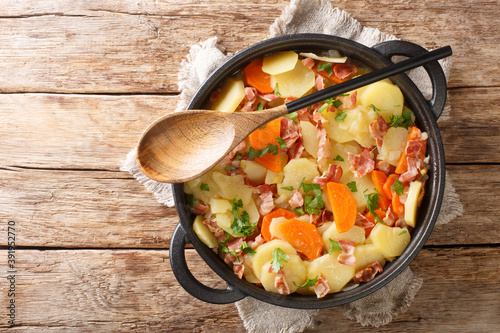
column 80, row 80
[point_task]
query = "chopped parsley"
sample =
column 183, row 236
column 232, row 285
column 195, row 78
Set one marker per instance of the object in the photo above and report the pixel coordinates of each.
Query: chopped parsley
column 276, row 89
column 374, row 108
column 300, row 211
column 312, row 203
column 288, row 188
column 292, row 116
column 402, row 232
column 398, row 187
column 372, row 200
column 325, row 66
column 270, row 148
column 238, row 156
column 204, row 187
column 225, row 249
column 309, row 283
column 340, row 117
column 260, row 107
column 191, row 201
column 278, row 256
column 338, row 158
column 401, row 121
column 281, row 143
column 230, row 167
column 323, row 108
column 263, row 126
column 335, row 246
column 247, row 249
column 241, row 223
column 352, row 186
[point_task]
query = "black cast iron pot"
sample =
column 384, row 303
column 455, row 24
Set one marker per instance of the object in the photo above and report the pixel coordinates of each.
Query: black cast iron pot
column 426, row 113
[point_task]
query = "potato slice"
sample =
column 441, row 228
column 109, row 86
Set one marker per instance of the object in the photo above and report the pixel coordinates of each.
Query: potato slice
column 390, row 241
column 294, row 172
column 366, row 255
column 310, row 137
column 295, row 83
column 254, row 171
column 232, row 186
column 336, row 274
column 355, row 234
column 220, row 206
column 224, row 221
column 231, row 94
column 194, row 187
column 294, row 271
column 205, row 236
column 280, row 62
column 393, row 145
column 385, row 96
column 411, row 203
column 263, row 254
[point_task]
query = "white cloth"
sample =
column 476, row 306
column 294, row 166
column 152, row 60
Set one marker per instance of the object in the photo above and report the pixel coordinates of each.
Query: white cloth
column 303, row 16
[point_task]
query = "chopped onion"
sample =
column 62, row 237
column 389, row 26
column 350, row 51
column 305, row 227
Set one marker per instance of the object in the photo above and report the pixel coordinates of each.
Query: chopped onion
column 337, row 59
column 350, row 287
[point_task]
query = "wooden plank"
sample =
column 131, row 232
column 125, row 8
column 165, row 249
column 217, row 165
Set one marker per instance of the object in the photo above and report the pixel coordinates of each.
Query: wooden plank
column 96, row 209
column 96, row 132
column 127, row 290
column 61, row 47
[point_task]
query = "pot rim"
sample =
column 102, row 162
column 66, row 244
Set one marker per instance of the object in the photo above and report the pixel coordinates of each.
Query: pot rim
column 434, row 185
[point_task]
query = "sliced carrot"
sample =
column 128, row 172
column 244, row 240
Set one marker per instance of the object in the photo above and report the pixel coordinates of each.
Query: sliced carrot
column 260, row 138
column 397, row 206
column 415, row 134
column 303, row 236
column 388, row 193
column 257, row 78
column 380, row 213
column 266, row 221
column 379, row 178
column 343, row 205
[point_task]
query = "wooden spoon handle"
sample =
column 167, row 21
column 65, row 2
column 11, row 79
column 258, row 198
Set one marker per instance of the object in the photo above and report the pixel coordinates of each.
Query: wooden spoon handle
column 369, row 78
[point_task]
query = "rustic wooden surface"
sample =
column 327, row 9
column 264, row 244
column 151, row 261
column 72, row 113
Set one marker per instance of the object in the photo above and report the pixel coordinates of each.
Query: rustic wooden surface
column 79, row 81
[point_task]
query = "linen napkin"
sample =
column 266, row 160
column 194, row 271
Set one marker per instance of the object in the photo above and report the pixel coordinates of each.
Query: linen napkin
column 302, row 16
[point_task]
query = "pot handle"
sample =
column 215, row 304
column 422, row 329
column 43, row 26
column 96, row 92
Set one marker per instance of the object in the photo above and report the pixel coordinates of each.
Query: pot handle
column 189, row 282
column 433, row 69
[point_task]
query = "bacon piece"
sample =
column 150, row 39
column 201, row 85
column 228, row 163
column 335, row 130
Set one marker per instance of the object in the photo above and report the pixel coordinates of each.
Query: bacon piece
column 378, row 128
column 361, row 164
column 343, row 71
column 362, row 221
column 200, row 208
column 268, row 97
column 228, row 159
column 401, row 223
column 295, row 151
column 259, row 240
column 320, row 82
column 289, row 132
column 296, row 200
column 267, row 204
column 415, row 163
column 333, row 174
column 317, row 117
column 390, row 217
column 250, row 99
column 264, row 188
column 280, row 283
column 324, row 147
column 235, row 244
column 214, row 228
column 239, row 269
column 321, row 287
column 308, row 62
column 347, row 255
column 368, row 273
column 384, row 166
column 348, row 102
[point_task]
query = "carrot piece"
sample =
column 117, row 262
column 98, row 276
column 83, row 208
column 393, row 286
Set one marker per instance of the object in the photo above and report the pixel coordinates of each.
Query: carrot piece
column 397, row 206
column 260, row 138
column 303, row 236
column 415, row 134
column 266, row 221
column 380, row 213
column 388, row 193
column 257, row 78
column 343, row 205
column 379, row 178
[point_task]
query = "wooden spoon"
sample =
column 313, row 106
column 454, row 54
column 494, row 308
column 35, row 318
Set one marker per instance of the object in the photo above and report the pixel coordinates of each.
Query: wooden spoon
column 183, row 145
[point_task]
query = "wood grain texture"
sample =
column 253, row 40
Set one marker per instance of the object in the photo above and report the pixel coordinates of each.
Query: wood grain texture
column 127, row 290
column 96, row 132
column 61, row 47
column 108, row 209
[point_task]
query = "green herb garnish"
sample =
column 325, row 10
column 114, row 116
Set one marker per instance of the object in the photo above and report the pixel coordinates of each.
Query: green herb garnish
column 281, row 143
column 204, row 187
column 402, row 232
column 308, row 283
column 401, row 121
column 352, row 186
column 292, row 116
column 278, row 256
column 288, row 188
column 338, row 158
column 325, row 66
column 241, row 223
column 276, row 89
column 191, row 201
column 260, row 107
column 340, row 117
column 246, row 248
column 335, row 246
column 398, row 187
